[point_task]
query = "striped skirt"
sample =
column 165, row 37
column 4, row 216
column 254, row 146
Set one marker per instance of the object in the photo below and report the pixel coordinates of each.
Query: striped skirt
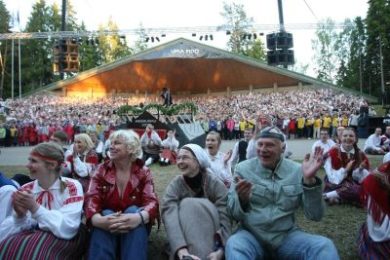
column 370, row 250
column 348, row 191
column 38, row 244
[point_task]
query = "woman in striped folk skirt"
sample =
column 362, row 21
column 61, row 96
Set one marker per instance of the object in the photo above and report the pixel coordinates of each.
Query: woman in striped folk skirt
column 345, row 167
column 46, row 218
column 374, row 237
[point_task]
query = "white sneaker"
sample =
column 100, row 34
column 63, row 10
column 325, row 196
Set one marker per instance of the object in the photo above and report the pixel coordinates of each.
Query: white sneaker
column 166, row 160
column 149, row 161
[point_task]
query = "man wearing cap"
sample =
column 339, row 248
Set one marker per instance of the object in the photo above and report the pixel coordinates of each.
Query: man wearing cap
column 267, row 191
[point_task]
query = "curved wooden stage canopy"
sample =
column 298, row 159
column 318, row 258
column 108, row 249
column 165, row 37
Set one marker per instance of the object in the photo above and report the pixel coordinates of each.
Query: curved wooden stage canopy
column 186, row 68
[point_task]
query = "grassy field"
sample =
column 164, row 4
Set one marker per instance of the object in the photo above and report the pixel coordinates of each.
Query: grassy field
column 340, row 223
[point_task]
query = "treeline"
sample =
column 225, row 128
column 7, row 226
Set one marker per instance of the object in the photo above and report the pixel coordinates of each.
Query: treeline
column 352, row 58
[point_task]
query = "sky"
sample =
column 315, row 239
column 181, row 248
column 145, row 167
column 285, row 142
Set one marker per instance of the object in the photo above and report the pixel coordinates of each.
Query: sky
column 184, row 13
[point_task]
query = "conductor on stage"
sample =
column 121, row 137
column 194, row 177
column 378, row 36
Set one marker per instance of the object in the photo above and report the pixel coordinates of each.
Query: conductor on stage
column 166, row 95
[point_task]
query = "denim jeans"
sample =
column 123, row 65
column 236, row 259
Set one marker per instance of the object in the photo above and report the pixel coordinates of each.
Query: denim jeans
column 133, row 245
column 297, row 245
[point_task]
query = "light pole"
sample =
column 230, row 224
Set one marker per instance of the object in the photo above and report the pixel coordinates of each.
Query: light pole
column 381, row 68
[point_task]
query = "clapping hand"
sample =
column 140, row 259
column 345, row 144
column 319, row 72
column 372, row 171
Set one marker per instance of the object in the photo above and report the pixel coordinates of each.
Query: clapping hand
column 25, row 201
column 243, row 189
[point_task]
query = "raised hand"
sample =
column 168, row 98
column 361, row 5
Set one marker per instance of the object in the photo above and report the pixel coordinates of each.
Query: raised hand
column 227, row 156
column 311, row 164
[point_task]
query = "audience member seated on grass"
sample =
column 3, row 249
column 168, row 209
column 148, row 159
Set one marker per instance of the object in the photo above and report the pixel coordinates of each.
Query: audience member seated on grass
column 121, row 203
column 151, row 145
column 219, row 161
column 374, row 236
column 98, row 144
column 45, row 223
column 83, row 159
column 169, row 152
column 345, row 167
column 325, row 142
column 194, row 208
column 373, row 143
column 266, row 193
column 7, row 188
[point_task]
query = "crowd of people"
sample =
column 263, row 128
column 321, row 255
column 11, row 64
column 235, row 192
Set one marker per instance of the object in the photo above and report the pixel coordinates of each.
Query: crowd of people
column 299, row 113
column 97, row 198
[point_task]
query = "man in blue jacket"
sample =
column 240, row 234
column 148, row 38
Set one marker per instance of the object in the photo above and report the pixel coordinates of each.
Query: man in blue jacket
column 268, row 190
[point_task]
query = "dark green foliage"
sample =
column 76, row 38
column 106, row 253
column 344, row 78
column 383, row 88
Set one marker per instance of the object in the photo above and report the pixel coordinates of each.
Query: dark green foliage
column 171, row 110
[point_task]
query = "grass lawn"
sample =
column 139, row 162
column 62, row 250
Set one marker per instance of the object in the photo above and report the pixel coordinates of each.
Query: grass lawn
column 340, row 223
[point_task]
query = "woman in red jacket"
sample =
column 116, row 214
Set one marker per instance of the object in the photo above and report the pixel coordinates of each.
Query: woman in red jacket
column 121, row 203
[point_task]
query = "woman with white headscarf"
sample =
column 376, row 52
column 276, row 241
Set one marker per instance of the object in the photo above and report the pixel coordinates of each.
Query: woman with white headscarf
column 194, row 208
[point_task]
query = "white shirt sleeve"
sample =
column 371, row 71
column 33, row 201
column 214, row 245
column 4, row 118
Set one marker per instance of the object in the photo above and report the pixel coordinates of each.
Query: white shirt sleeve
column 378, row 232
column 334, row 176
column 251, row 149
column 386, row 158
column 360, row 174
column 12, row 225
column 370, row 143
column 234, row 158
column 6, row 201
column 65, row 221
column 81, row 168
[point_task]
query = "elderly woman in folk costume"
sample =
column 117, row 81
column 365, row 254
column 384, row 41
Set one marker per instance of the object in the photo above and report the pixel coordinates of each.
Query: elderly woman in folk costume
column 151, row 144
column 83, row 160
column 194, row 208
column 121, row 203
column 45, row 223
column 170, row 146
column 345, row 167
column 374, row 237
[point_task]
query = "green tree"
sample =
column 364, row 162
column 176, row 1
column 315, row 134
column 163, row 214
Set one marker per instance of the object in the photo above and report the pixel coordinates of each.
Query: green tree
column 37, row 52
column 378, row 37
column 112, row 46
column 90, row 55
column 238, row 24
column 255, row 50
column 350, row 50
column 324, row 51
column 140, row 44
column 4, row 49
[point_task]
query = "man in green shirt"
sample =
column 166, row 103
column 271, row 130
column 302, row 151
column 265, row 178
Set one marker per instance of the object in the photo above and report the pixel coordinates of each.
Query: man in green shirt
column 267, row 192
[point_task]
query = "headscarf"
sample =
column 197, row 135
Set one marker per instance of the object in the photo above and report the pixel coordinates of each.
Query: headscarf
column 200, row 154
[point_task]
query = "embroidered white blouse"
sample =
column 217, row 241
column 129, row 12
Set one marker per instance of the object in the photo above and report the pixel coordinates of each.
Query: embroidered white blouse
column 59, row 212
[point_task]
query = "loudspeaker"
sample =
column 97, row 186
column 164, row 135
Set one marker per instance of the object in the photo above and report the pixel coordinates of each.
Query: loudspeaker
column 279, row 40
column 280, row 57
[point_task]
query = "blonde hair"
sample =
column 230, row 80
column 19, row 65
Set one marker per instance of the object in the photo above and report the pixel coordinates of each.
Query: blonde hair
column 86, row 139
column 131, row 140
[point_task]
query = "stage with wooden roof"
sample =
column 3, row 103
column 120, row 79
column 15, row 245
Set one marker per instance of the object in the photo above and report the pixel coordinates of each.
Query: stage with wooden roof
column 186, row 68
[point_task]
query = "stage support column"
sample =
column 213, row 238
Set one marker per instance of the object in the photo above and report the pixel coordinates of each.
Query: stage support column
column 64, row 91
column 300, row 85
column 250, row 88
column 275, row 86
column 208, row 91
column 228, row 91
